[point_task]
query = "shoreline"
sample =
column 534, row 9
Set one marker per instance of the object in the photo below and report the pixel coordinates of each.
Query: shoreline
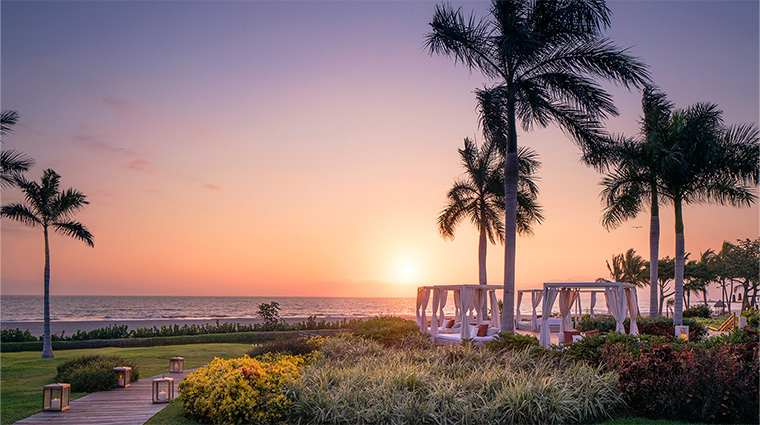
column 71, row 327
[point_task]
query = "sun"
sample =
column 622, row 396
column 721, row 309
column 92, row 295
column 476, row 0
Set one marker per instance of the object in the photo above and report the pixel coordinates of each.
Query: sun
column 406, row 268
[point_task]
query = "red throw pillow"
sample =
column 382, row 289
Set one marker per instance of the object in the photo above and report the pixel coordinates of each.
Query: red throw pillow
column 450, row 324
column 483, row 329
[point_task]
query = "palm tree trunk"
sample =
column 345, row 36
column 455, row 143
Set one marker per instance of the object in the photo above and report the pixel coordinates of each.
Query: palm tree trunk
column 654, row 255
column 510, row 222
column 47, row 350
column 680, row 249
column 482, row 246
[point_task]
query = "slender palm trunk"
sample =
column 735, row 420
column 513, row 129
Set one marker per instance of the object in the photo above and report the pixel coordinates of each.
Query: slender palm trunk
column 680, row 249
column 47, row 350
column 510, row 222
column 654, row 254
column 482, row 246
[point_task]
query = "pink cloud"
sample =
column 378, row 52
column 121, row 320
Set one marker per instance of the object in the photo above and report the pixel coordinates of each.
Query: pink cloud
column 211, row 186
column 139, row 165
column 118, row 104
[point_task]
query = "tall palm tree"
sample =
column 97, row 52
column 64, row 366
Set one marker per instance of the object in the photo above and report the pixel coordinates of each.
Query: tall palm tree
column 480, row 198
column 705, row 162
column 628, row 268
column 631, row 186
column 542, row 56
column 47, row 207
column 12, row 164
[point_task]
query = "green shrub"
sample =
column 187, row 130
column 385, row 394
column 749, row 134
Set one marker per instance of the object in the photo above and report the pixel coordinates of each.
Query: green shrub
column 753, row 317
column 293, row 346
column 510, row 341
column 602, row 322
column 16, row 335
column 701, row 310
column 244, row 390
column 93, row 373
column 390, row 331
column 712, row 385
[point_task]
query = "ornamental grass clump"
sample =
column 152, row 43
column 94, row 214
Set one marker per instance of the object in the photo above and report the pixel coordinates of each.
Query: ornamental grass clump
column 447, row 385
column 241, row 391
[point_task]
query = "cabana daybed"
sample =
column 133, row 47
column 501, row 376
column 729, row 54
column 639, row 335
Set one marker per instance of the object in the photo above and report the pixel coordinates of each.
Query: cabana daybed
column 471, row 305
column 621, row 301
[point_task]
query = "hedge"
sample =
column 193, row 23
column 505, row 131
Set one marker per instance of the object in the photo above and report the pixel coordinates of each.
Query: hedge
column 231, row 338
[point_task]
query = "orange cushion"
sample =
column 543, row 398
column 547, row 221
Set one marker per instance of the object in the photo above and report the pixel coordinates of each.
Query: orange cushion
column 450, row 324
column 483, row 329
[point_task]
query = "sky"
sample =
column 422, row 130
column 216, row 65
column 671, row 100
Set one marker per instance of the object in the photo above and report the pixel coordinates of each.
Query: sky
column 255, row 148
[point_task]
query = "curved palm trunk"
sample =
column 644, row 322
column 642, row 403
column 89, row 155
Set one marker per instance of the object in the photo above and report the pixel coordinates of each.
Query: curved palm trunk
column 510, row 223
column 680, row 248
column 482, row 246
column 47, row 350
column 654, row 255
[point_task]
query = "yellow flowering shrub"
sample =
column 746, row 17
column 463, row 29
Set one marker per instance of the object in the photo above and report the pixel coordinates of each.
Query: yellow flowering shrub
column 241, row 391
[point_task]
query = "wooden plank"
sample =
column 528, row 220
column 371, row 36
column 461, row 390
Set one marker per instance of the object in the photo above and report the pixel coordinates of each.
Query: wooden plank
column 120, row 406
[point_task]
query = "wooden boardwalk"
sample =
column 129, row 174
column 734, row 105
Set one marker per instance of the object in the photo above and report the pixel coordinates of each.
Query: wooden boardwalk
column 119, row 406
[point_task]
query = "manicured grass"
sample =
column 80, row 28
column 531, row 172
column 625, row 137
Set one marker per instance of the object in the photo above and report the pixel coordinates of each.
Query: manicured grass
column 171, row 415
column 22, row 375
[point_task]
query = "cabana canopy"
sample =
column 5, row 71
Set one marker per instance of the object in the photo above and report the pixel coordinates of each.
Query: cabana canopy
column 537, row 295
column 621, row 300
column 469, row 302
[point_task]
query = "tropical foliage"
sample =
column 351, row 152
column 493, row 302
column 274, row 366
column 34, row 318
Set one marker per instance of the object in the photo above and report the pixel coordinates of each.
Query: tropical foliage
column 631, row 184
column 13, row 164
column 542, row 58
column 480, row 197
column 46, row 206
column 628, row 268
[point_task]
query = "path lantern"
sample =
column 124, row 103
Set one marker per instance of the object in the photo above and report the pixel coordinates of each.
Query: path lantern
column 163, row 390
column 123, row 376
column 176, row 364
column 55, row 397
column 682, row 332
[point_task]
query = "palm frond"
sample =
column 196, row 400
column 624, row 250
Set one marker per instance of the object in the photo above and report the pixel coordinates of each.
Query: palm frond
column 75, row 230
column 8, row 119
column 12, row 166
column 22, row 214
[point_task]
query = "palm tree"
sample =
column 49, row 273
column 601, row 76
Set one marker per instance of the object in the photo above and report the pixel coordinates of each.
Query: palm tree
column 12, row 164
column 479, row 197
column 705, row 162
column 48, row 207
column 631, row 186
column 542, row 56
column 628, row 268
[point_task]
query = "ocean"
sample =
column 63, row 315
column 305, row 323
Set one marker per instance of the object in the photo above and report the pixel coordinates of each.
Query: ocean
column 28, row 308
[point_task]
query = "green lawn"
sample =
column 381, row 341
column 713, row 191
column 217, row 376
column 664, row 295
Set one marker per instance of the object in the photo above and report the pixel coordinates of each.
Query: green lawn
column 22, row 375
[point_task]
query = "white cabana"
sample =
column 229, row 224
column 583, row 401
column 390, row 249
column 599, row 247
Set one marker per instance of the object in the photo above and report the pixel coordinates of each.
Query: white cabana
column 536, row 295
column 621, row 301
column 469, row 304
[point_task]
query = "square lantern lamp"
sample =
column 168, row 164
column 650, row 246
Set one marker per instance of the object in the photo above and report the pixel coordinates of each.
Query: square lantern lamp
column 123, row 376
column 55, row 397
column 163, row 390
column 682, row 332
column 176, row 364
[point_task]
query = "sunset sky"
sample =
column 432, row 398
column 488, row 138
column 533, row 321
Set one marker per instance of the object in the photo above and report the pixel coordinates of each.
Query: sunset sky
column 305, row 148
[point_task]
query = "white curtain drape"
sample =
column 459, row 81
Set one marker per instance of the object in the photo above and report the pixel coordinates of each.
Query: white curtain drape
column 468, row 303
column 480, row 304
column 633, row 307
column 536, row 298
column 546, row 311
column 441, row 304
column 457, row 305
column 434, row 319
column 593, row 303
column 519, row 301
column 423, row 296
column 617, row 306
column 566, row 299
column 495, row 319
